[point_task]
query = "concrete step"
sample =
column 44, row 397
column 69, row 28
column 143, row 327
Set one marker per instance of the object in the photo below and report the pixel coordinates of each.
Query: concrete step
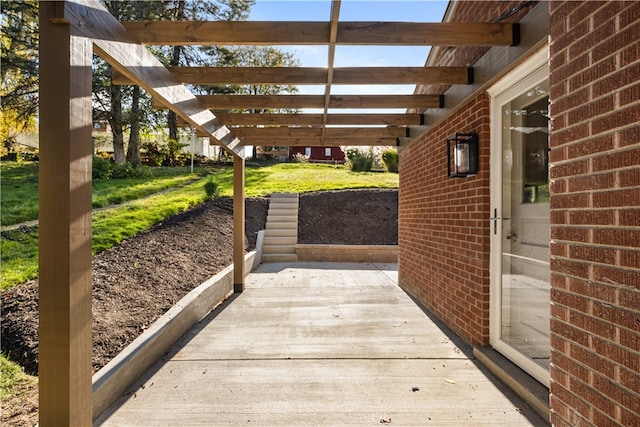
column 284, row 196
column 281, row 232
column 280, row 212
column 282, row 225
column 289, row 207
column 282, row 218
column 278, row 249
column 279, row 258
column 280, row 240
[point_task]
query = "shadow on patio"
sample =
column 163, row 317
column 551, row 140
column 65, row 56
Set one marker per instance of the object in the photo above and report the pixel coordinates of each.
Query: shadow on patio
column 319, row 344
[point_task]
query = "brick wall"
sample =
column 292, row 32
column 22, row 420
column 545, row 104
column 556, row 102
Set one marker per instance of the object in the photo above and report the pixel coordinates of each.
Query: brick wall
column 443, row 230
column 595, row 213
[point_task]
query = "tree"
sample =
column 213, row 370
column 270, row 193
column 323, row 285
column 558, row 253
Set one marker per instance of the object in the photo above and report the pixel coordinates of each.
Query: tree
column 129, row 106
column 253, row 56
column 178, row 10
column 19, row 71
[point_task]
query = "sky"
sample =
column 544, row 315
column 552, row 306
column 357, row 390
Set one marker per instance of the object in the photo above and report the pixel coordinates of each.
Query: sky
column 354, row 10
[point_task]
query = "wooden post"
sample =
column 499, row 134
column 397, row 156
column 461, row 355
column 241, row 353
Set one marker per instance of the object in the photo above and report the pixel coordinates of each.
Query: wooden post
column 65, row 222
column 238, row 223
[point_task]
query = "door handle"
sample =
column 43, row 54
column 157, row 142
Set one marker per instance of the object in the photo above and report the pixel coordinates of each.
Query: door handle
column 513, row 237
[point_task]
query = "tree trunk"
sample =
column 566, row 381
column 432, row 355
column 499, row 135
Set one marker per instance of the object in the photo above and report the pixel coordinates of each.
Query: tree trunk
column 133, row 151
column 116, row 124
column 172, row 119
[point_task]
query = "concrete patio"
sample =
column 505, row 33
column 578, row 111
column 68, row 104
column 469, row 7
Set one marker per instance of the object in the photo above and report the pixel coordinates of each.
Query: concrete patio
column 319, row 344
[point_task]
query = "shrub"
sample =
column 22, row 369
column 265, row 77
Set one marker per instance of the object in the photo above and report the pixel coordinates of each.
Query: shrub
column 360, row 160
column 390, row 159
column 211, row 188
column 106, row 169
column 102, row 168
column 300, row 158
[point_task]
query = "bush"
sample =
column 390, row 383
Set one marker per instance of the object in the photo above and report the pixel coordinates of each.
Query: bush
column 300, row 158
column 212, row 189
column 106, row 169
column 359, row 160
column 390, row 159
column 102, row 168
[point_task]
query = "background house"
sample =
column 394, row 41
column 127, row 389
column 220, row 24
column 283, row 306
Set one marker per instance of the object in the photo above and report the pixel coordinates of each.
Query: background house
column 319, row 154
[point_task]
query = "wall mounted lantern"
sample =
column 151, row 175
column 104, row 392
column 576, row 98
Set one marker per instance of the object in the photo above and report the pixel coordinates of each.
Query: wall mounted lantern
column 462, row 155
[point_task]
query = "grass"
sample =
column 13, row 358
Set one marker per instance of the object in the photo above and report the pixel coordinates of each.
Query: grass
column 20, row 247
column 11, row 376
column 19, row 189
column 302, row 178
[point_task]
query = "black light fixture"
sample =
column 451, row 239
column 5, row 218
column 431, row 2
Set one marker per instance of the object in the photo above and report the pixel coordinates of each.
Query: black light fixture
column 462, row 155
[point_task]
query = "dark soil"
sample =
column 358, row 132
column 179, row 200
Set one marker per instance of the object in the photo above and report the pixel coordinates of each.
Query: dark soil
column 135, row 282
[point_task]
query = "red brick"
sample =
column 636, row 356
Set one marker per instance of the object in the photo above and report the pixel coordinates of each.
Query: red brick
column 591, row 182
column 617, row 119
column 629, row 137
column 616, row 160
column 592, row 217
column 616, row 80
column 619, row 198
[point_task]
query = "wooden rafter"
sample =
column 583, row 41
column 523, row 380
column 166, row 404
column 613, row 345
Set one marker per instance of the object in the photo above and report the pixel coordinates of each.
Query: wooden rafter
column 227, row 102
column 314, row 75
column 318, row 33
column 322, row 142
column 316, row 119
column 331, row 54
column 283, row 132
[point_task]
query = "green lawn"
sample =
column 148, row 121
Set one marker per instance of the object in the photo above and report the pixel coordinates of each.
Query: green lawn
column 19, row 189
column 19, row 248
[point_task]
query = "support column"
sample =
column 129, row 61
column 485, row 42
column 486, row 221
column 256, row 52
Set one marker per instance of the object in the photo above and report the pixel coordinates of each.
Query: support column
column 64, row 222
column 238, row 223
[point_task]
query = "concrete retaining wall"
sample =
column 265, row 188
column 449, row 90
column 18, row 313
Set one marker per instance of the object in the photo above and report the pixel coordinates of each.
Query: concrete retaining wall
column 348, row 253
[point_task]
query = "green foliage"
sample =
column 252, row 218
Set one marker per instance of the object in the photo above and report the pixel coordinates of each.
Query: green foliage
column 390, row 159
column 212, row 189
column 300, row 158
column 19, row 256
column 19, row 188
column 18, row 192
column 360, row 160
column 10, row 375
column 106, row 169
column 101, row 168
column 19, row 72
column 264, row 180
column 168, row 154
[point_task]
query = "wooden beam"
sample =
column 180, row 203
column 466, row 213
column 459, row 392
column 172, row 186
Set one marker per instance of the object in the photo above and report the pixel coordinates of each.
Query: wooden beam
column 65, row 223
column 247, row 119
column 318, row 33
column 238, row 224
column 314, row 75
column 429, row 34
column 339, row 132
column 227, row 102
column 331, row 54
column 113, row 44
column 321, row 142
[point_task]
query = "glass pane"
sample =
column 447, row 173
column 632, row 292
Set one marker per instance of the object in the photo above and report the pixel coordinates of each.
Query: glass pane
column 525, row 213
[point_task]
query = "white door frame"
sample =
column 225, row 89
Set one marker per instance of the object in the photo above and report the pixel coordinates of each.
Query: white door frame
column 531, row 72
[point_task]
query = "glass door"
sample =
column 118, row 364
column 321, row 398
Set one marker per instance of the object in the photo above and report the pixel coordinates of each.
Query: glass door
column 520, row 230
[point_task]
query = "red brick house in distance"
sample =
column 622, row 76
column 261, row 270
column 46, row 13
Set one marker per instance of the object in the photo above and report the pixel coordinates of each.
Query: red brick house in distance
column 535, row 259
column 319, row 154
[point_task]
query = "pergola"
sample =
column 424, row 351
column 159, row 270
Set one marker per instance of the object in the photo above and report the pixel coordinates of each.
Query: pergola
column 71, row 31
